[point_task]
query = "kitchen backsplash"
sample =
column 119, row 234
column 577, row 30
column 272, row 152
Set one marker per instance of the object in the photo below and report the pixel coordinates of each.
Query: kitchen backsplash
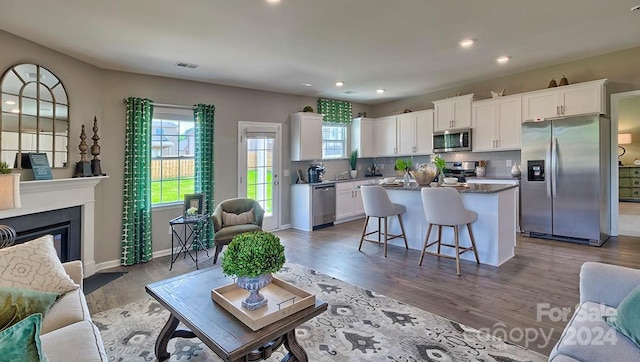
column 496, row 166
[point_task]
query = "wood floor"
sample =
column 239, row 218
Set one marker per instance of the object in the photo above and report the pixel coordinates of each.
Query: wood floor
column 484, row 297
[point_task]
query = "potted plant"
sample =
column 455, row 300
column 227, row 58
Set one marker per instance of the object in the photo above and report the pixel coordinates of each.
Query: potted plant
column 440, row 164
column 353, row 160
column 252, row 257
column 4, row 168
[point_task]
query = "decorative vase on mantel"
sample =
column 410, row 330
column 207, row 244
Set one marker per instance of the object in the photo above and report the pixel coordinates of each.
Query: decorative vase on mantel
column 253, row 285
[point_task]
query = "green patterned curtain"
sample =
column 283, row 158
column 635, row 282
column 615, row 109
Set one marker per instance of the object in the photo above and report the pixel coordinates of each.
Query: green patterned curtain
column 136, row 198
column 204, row 182
column 335, row 111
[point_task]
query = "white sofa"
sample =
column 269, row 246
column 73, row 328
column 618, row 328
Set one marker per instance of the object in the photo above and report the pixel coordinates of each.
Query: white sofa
column 588, row 338
column 67, row 333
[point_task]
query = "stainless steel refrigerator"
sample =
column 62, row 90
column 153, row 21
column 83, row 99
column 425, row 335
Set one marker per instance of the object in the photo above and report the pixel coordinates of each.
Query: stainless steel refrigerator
column 565, row 185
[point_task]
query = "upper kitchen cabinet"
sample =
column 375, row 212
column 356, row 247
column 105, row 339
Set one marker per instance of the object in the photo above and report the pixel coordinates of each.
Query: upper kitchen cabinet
column 415, row 133
column 454, row 112
column 497, row 124
column 362, row 136
column 385, row 136
column 568, row 100
column 306, row 136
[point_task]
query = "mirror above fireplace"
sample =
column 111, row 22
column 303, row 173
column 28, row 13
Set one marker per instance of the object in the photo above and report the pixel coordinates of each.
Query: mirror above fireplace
column 34, row 116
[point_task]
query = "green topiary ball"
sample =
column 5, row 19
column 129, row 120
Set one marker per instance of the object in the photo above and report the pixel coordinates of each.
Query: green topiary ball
column 252, row 254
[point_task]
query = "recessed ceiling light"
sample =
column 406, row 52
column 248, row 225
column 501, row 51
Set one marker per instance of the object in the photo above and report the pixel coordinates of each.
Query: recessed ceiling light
column 15, row 110
column 9, row 102
column 306, row 84
column 380, row 91
column 339, row 84
column 273, row 1
column 636, row 8
column 503, row 59
column 466, row 43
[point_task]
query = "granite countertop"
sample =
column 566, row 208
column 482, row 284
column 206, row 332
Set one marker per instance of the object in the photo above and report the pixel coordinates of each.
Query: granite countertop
column 464, row 188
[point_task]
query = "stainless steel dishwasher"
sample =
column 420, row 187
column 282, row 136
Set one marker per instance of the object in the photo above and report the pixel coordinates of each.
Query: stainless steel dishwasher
column 323, row 205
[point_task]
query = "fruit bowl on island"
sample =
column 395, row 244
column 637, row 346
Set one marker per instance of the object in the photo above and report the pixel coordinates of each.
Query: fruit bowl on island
column 424, row 175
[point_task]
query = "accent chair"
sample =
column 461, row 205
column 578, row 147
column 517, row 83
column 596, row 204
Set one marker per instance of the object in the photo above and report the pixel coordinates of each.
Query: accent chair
column 232, row 217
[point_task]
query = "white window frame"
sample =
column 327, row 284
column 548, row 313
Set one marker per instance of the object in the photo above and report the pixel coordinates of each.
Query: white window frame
column 344, row 141
column 171, row 115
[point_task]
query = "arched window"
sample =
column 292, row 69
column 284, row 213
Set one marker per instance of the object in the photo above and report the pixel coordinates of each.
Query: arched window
column 34, row 117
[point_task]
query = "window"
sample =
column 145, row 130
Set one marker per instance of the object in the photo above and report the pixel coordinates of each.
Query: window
column 334, row 140
column 172, row 155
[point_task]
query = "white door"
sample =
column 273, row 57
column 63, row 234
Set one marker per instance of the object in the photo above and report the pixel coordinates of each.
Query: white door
column 259, row 161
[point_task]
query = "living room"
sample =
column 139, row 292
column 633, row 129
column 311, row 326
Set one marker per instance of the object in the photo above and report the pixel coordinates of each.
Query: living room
column 99, row 91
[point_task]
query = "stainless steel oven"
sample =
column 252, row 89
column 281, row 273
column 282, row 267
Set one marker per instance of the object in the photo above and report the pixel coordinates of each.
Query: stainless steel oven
column 452, row 140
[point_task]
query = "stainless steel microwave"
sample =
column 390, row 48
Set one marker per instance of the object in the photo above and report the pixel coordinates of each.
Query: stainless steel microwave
column 452, row 140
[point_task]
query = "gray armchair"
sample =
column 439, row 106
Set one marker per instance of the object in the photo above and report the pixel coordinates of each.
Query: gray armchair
column 223, row 234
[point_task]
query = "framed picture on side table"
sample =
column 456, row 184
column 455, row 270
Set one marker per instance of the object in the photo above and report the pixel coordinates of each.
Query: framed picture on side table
column 193, row 204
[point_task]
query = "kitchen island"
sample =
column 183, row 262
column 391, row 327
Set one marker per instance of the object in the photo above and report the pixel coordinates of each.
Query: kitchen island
column 494, row 231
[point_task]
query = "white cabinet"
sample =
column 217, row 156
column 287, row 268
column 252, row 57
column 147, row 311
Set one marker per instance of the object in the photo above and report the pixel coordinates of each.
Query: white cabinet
column 349, row 204
column 362, row 136
column 306, row 136
column 415, row 133
column 568, row 100
column 454, row 112
column 344, row 200
column 385, row 136
column 497, row 124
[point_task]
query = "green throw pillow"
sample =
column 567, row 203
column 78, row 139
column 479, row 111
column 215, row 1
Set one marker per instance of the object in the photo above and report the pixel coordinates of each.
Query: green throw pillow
column 17, row 304
column 627, row 318
column 21, row 341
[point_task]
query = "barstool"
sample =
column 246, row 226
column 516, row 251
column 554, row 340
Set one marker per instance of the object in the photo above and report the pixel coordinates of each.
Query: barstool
column 377, row 204
column 443, row 207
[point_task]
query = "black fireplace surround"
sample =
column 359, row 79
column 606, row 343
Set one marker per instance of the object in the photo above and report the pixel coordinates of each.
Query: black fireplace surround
column 64, row 224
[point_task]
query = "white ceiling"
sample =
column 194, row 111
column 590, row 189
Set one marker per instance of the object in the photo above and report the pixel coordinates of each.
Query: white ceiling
column 408, row 47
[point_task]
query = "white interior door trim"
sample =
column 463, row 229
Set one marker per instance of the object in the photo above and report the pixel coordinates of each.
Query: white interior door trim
column 614, row 157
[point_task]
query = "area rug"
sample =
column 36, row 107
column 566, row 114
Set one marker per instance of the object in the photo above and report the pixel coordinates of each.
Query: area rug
column 359, row 325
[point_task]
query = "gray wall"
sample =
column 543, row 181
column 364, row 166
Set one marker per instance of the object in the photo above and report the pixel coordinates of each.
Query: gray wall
column 621, row 68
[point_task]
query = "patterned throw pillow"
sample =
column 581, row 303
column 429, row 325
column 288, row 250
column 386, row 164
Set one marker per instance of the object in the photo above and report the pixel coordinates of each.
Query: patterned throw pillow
column 229, row 218
column 34, row 265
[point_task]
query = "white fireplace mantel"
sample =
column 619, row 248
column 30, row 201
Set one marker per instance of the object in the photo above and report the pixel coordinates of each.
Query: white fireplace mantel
column 47, row 195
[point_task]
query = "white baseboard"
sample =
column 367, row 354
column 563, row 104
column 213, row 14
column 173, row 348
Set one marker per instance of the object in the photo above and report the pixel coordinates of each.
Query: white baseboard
column 115, row 263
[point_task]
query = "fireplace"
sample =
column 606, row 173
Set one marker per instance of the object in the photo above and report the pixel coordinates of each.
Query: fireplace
column 64, row 224
column 57, row 194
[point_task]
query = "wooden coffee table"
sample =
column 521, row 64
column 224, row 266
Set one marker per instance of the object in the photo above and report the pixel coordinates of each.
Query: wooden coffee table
column 188, row 298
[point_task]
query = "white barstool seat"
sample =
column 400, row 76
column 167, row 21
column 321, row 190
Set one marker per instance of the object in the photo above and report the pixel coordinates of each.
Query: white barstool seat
column 377, row 204
column 443, row 207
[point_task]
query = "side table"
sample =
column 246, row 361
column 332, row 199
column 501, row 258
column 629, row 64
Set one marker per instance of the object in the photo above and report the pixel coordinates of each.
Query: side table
column 190, row 238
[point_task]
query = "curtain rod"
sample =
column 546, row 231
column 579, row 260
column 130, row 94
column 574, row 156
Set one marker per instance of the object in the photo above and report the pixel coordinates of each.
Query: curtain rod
column 167, row 105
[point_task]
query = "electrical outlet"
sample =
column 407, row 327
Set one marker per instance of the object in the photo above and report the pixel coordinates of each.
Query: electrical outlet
column 359, row 167
column 508, row 163
column 382, row 166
